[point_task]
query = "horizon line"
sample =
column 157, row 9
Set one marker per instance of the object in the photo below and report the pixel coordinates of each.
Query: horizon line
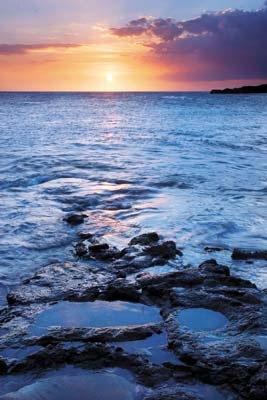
column 105, row 91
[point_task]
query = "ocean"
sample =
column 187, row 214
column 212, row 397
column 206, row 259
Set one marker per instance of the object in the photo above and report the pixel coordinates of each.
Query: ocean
column 190, row 166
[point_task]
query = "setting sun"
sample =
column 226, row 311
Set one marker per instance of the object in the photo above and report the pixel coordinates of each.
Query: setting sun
column 109, row 77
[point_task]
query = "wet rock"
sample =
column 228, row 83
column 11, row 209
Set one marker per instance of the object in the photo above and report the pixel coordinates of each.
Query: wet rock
column 121, row 274
column 97, row 251
column 91, row 385
column 185, row 278
column 258, row 384
column 98, row 248
column 121, row 290
column 80, row 249
column 170, row 393
column 240, row 254
column 86, row 236
column 103, row 335
column 212, row 267
column 236, row 282
column 3, row 367
column 209, row 249
column 166, row 250
column 58, row 282
column 75, row 219
column 145, row 239
column 227, row 355
column 108, row 255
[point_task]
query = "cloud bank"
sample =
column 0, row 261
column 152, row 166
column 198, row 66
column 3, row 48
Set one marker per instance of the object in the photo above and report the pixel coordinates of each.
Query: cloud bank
column 13, row 49
column 231, row 44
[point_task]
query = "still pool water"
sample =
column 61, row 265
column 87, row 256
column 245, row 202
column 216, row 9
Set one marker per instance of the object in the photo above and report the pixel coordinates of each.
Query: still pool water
column 201, row 319
column 72, row 384
column 154, row 348
column 95, row 315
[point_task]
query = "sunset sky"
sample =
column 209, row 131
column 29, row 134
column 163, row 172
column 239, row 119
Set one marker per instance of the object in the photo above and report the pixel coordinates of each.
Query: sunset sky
column 99, row 45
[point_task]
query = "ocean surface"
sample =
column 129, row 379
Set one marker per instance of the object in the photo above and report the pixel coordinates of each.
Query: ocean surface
column 191, row 166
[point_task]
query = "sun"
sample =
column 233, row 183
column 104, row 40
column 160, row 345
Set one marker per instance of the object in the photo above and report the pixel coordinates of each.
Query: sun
column 109, row 77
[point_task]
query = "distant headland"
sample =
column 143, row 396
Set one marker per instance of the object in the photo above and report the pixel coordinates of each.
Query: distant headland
column 242, row 90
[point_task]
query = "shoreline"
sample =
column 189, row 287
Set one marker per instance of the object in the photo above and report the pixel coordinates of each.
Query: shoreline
column 171, row 352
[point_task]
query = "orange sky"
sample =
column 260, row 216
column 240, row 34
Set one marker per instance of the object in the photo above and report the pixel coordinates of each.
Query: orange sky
column 98, row 60
column 91, row 68
column 87, row 68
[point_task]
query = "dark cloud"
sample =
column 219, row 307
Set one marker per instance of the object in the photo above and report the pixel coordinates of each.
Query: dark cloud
column 11, row 49
column 166, row 29
column 230, row 44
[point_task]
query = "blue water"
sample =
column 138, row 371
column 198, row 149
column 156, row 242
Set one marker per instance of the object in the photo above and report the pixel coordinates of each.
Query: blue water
column 190, row 166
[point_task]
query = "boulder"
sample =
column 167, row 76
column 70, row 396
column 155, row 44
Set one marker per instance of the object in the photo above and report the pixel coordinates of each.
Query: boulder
column 75, row 219
column 241, row 254
column 145, row 239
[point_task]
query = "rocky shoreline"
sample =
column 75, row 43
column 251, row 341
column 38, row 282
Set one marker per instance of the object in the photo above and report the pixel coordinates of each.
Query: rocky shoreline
column 170, row 354
column 242, row 90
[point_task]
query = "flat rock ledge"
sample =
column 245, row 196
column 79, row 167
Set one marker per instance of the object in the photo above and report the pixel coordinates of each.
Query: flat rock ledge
column 231, row 359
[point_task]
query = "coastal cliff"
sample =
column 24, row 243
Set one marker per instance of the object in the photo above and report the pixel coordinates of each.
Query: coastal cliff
column 242, row 90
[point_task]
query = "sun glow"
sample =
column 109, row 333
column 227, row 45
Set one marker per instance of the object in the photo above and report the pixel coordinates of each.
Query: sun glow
column 109, row 77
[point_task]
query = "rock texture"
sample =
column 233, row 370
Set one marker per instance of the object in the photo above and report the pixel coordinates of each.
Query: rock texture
column 230, row 358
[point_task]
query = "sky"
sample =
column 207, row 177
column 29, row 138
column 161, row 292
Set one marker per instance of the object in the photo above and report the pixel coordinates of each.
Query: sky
column 137, row 45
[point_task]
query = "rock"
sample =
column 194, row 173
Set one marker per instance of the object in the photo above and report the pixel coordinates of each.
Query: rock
column 176, row 392
column 166, row 250
column 258, row 384
column 240, row 254
column 98, row 335
column 86, row 236
column 104, row 252
column 60, row 282
column 228, row 356
column 209, row 249
column 97, row 248
column 80, row 249
column 145, row 239
column 75, row 219
column 187, row 278
column 212, row 267
column 3, row 367
column 121, row 289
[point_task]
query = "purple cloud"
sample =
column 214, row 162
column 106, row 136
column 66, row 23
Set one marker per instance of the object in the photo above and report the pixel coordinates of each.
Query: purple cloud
column 230, row 44
column 11, row 49
column 166, row 29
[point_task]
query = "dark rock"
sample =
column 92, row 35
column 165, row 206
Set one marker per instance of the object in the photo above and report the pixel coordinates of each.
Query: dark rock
column 121, row 274
column 75, row 219
column 187, row 358
column 145, row 239
column 209, row 249
column 171, row 393
column 99, row 335
column 239, row 254
column 258, row 385
column 80, row 249
column 187, row 278
column 166, row 250
column 104, row 252
column 212, row 267
column 122, row 290
column 86, row 236
column 3, row 367
column 97, row 248
column 230, row 356
column 242, row 90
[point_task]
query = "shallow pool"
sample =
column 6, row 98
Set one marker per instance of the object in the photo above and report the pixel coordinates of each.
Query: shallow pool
column 94, row 314
column 201, row 319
